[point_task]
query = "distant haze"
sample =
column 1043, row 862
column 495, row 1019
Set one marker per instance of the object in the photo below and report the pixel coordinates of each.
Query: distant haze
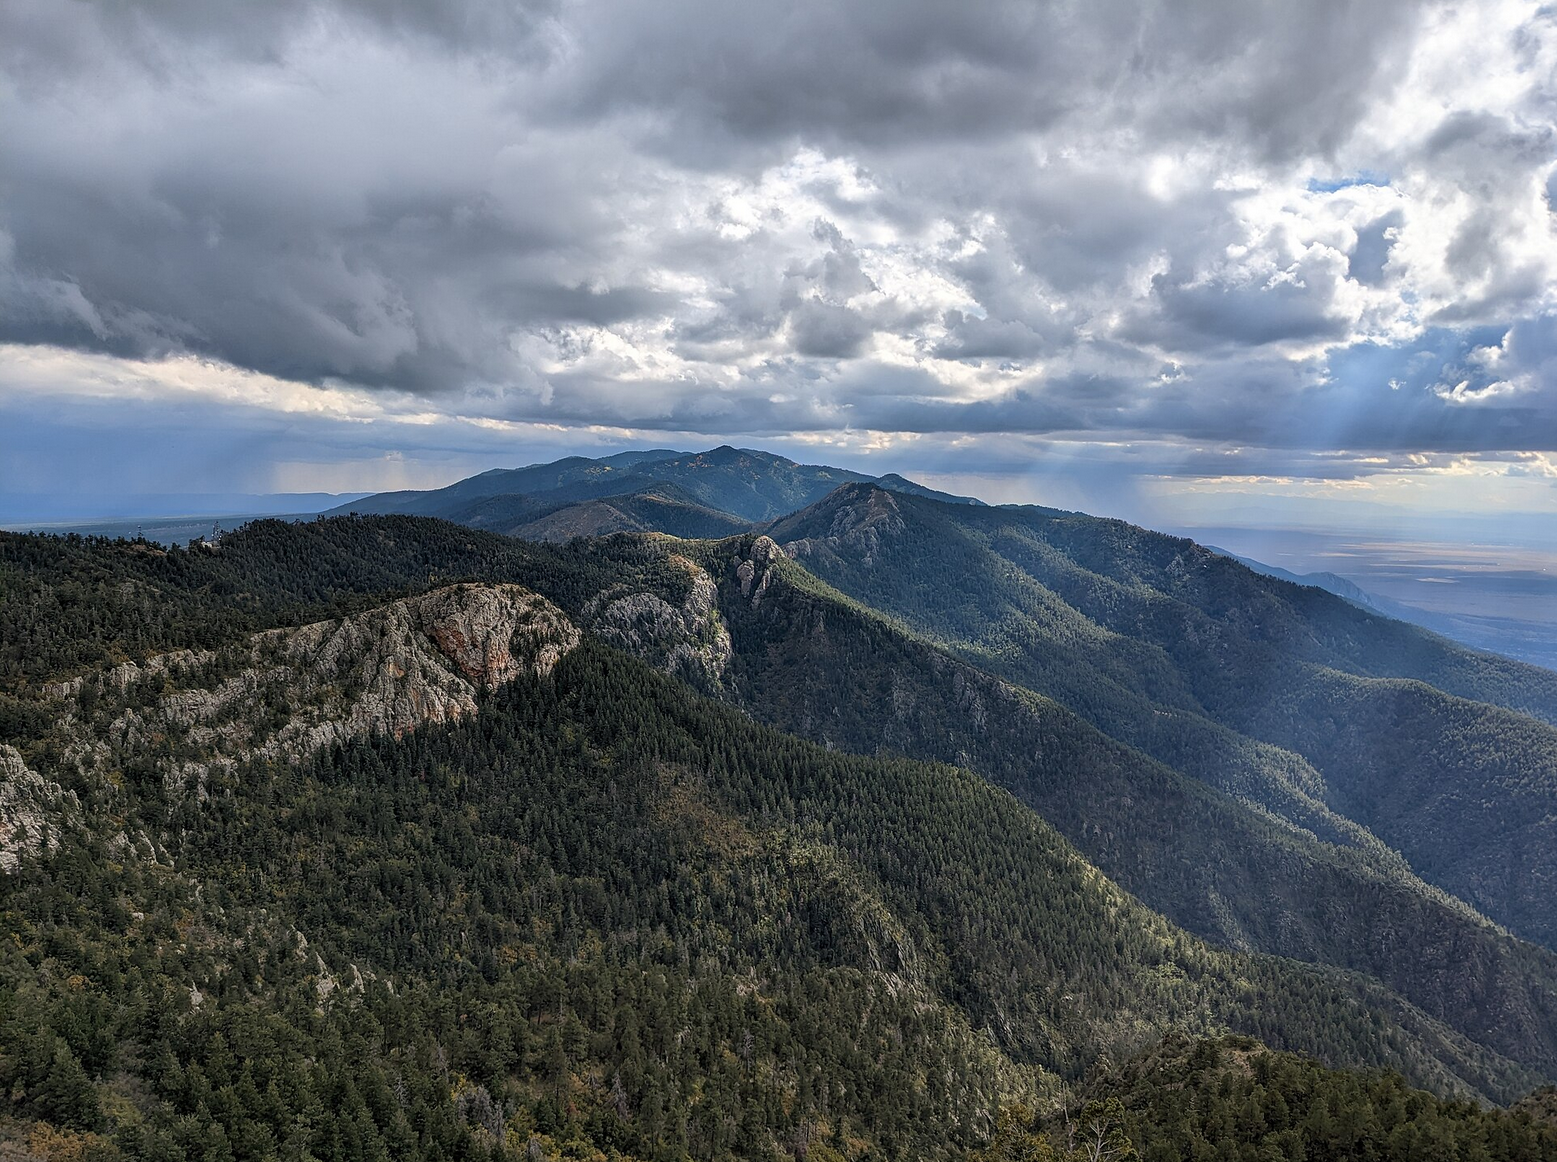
column 34, row 511
column 1495, row 596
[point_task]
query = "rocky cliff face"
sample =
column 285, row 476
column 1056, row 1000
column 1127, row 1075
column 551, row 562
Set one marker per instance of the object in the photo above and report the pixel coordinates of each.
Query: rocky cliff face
column 31, row 809
column 687, row 641
column 290, row 692
column 413, row 662
column 859, row 524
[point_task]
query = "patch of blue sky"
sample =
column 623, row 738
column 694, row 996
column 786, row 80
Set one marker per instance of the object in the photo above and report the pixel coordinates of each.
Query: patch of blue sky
column 1418, row 364
column 1366, row 177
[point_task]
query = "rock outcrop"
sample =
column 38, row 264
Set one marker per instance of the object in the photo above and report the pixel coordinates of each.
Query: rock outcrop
column 290, row 692
column 409, row 664
column 31, row 809
column 756, row 571
column 688, row 641
column 858, row 528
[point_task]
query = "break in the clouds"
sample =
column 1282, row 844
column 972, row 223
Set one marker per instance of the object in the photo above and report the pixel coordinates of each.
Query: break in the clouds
column 1229, row 229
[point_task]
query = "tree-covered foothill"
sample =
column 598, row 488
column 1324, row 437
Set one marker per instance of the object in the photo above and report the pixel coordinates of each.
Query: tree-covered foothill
column 609, row 912
column 607, row 917
column 1231, row 1098
column 70, row 605
column 1307, row 884
column 1255, row 685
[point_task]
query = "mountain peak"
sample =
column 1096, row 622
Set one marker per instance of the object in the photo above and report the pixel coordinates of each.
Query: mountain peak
column 897, row 483
column 745, row 484
column 855, row 518
column 729, row 454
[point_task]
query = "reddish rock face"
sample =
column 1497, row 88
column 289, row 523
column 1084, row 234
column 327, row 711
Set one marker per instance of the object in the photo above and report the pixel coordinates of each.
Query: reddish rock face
column 478, row 628
column 451, row 639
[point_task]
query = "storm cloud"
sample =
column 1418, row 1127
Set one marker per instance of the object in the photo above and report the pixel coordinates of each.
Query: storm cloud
column 1304, row 228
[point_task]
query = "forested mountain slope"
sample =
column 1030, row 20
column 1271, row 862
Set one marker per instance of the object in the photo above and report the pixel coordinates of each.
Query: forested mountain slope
column 657, row 507
column 1149, row 587
column 1294, row 879
column 810, row 664
column 565, row 900
column 1231, row 1098
column 1158, row 641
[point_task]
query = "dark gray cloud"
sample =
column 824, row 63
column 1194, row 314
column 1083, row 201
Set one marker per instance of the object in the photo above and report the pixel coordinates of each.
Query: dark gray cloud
column 970, row 337
column 1243, row 224
column 828, row 330
column 45, row 44
column 1292, row 78
column 1245, row 313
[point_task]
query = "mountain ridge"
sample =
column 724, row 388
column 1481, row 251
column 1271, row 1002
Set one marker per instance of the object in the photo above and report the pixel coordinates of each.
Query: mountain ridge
column 910, row 794
column 800, row 656
column 1015, row 592
column 746, row 484
column 1506, row 636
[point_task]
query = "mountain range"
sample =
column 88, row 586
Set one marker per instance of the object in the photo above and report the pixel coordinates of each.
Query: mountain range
column 713, row 805
column 717, row 491
column 725, row 490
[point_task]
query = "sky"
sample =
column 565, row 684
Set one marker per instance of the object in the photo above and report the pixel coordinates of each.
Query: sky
column 1191, row 262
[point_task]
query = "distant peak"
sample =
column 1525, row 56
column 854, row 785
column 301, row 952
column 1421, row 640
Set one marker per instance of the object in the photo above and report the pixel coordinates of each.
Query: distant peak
column 725, row 454
column 856, row 494
column 901, row 484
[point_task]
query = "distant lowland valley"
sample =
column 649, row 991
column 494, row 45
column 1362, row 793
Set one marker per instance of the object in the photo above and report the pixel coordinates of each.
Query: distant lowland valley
column 1498, row 596
column 671, row 806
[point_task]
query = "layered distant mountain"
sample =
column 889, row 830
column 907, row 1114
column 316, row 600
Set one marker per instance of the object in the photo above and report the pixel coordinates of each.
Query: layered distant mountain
column 654, row 490
column 768, row 811
column 725, row 490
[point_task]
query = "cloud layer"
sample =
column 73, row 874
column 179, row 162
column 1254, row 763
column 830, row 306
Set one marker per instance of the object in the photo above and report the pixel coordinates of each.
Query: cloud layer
column 1216, row 227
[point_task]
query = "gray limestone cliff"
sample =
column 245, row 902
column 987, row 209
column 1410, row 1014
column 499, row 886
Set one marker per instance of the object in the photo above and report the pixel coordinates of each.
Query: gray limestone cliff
column 687, row 641
column 32, row 809
column 287, row 693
